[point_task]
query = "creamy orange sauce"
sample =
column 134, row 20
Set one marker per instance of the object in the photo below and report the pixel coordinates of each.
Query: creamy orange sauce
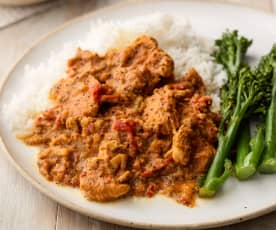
column 121, row 125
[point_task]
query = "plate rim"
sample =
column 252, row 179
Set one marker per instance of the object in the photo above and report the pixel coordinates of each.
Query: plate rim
column 94, row 214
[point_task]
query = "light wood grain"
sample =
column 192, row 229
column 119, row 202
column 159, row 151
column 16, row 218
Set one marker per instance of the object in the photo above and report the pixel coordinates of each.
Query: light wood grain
column 21, row 203
column 260, row 4
column 22, row 206
column 70, row 220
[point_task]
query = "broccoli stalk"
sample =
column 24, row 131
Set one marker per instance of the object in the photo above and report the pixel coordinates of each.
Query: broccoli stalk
column 268, row 164
column 252, row 89
column 231, row 50
column 230, row 53
column 248, row 151
column 246, row 93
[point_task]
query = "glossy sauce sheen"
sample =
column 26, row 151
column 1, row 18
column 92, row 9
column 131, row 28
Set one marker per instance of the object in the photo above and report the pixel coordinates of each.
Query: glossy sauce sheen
column 121, row 125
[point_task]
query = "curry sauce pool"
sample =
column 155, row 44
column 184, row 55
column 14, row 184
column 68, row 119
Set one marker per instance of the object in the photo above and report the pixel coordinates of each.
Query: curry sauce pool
column 122, row 125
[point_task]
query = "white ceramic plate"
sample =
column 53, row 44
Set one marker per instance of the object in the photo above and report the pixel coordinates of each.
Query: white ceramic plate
column 236, row 202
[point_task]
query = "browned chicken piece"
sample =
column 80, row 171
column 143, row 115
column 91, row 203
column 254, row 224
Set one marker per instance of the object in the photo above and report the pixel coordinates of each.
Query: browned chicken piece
column 162, row 109
column 142, row 65
column 145, row 54
column 202, row 159
column 128, row 82
column 191, row 81
column 98, row 185
column 82, row 93
column 88, row 63
column 160, row 115
column 182, row 142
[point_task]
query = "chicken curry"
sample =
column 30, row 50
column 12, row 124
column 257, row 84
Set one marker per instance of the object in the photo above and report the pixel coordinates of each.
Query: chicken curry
column 122, row 125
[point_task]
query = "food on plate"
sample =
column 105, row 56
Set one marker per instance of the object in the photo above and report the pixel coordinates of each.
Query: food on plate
column 247, row 93
column 146, row 107
column 268, row 164
column 114, row 137
column 122, row 125
column 174, row 35
column 249, row 151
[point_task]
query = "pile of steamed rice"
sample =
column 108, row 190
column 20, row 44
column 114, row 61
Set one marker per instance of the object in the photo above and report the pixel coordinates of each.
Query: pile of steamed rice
column 174, row 35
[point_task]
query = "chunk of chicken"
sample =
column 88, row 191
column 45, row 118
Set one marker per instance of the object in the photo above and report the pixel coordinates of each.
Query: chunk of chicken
column 192, row 81
column 87, row 63
column 129, row 82
column 181, row 146
column 97, row 185
column 202, row 159
column 144, row 52
column 77, row 103
column 142, row 65
column 160, row 115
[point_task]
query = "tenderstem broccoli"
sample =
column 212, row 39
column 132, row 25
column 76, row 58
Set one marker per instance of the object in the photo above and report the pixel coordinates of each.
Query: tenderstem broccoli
column 249, row 151
column 246, row 92
column 268, row 164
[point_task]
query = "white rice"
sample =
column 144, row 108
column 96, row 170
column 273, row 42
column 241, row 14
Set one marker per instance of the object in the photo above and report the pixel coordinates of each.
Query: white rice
column 174, row 35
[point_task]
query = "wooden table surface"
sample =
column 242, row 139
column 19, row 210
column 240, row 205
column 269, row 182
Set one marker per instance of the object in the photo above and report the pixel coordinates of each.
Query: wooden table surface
column 22, row 207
